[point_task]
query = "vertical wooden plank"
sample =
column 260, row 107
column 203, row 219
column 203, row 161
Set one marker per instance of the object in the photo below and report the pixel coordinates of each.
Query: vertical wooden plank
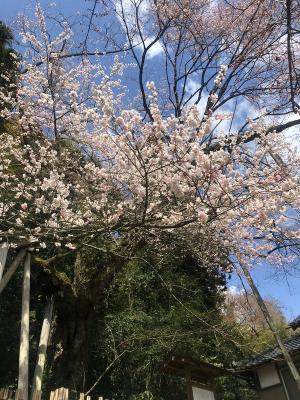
column 51, row 395
column 36, row 395
column 60, row 394
column 55, row 393
column 81, row 396
column 19, row 395
column 24, row 339
column 3, row 256
column 190, row 395
column 12, row 269
column 5, row 393
column 2, row 393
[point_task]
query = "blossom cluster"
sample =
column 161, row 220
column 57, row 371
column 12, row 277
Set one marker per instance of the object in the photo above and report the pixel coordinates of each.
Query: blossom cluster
column 73, row 167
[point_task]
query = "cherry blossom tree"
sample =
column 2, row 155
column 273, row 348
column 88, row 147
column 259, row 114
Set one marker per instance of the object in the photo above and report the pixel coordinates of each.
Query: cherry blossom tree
column 80, row 172
column 190, row 40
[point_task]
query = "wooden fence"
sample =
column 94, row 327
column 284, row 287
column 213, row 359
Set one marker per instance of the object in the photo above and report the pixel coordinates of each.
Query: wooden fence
column 58, row 394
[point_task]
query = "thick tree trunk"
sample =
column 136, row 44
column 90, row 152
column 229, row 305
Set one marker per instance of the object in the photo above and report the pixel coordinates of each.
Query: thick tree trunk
column 42, row 350
column 271, row 325
column 24, row 339
column 72, row 339
column 3, row 255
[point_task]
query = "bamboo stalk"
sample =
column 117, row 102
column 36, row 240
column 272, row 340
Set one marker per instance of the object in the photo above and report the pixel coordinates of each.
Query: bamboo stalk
column 24, row 339
column 42, row 350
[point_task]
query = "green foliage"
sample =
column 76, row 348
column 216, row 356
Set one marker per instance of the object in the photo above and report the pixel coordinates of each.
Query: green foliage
column 160, row 303
column 8, row 65
column 265, row 338
column 243, row 310
column 157, row 307
column 231, row 388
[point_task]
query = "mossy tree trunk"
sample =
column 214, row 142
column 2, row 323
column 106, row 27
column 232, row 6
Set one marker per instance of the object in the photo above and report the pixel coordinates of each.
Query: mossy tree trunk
column 72, row 342
column 75, row 302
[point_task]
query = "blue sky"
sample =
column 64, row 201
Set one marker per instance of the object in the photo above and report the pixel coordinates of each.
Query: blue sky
column 9, row 8
column 285, row 289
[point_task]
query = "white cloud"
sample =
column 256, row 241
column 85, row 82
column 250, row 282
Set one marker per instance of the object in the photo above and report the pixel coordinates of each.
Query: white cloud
column 234, row 290
column 155, row 50
column 191, row 87
column 292, row 135
column 244, row 109
column 126, row 10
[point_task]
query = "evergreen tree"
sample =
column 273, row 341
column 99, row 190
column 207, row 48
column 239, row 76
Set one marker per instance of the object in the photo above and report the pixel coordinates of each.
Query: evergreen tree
column 8, row 65
column 157, row 306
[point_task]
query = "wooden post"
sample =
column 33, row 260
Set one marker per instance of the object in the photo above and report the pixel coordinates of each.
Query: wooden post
column 61, row 392
column 3, row 255
column 24, row 339
column 36, row 395
column 12, row 269
column 188, row 384
column 42, row 350
column 3, row 393
column 269, row 320
column 66, row 394
column 11, row 394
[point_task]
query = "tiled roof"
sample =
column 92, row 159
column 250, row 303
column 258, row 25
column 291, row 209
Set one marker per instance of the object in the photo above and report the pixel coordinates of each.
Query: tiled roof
column 295, row 323
column 274, row 353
